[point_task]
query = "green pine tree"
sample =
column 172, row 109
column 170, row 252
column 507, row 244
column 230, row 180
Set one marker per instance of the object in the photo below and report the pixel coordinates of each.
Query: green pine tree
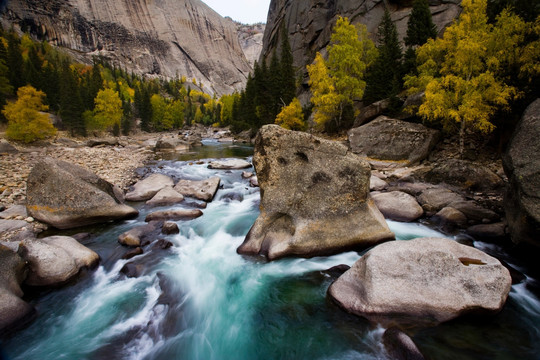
column 71, row 104
column 288, row 82
column 15, row 61
column 420, row 26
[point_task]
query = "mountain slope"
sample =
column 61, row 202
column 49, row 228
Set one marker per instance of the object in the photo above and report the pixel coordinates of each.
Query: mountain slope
column 166, row 38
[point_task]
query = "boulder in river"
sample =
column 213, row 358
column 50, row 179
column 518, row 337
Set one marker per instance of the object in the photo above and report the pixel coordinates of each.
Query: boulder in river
column 522, row 166
column 173, row 215
column 392, row 140
column 397, row 205
column 135, row 236
column 13, row 310
column 231, row 164
column 68, row 196
column 148, row 187
column 314, row 198
column 202, row 189
column 422, row 282
column 55, row 260
column 400, row 346
column 166, row 196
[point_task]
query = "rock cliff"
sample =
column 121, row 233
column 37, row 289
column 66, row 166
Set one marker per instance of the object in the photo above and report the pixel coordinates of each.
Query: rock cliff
column 167, row 38
column 309, row 23
column 251, row 40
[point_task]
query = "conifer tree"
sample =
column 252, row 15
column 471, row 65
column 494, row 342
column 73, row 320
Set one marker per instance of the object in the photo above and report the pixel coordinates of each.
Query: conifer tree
column 384, row 76
column 288, row 82
column 71, row 105
column 420, row 26
column 14, row 61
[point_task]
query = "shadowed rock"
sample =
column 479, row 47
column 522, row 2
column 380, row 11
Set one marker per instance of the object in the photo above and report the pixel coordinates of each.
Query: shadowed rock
column 422, row 282
column 400, row 346
column 67, row 196
column 135, row 236
column 314, row 198
column 397, row 205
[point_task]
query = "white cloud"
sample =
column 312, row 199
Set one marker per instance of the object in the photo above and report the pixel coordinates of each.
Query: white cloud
column 245, row 11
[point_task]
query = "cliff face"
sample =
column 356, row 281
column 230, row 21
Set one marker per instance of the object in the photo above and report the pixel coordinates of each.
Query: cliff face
column 310, row 22
column 251, row 40
column 167, row 37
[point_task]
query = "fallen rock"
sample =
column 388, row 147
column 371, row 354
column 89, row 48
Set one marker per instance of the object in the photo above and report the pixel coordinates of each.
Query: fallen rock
column 400, row 346
column 232, row 164
column 371, row 112
column 376, row 184
column 202, row 190
column 7, row 148
column 314, row 198
column 68, row 196
column 465, row 174
column 148, row 187
column 14, row 312
column 522, row 166
column 135, row 236
column 437, row 198
column 132, row 270
column 55, row 260
column 393, row 140
column 422, row 282
column 448, row 216
column 166, row 196
column 169, row 228
column 177, row 214
column 399, row 206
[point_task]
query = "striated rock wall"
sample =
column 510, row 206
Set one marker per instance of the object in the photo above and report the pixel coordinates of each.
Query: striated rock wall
column 310, row 22
column 166, row 38
column 251, row 40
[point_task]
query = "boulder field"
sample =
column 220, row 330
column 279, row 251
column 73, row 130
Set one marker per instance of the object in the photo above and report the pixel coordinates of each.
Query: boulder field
column 314, row 198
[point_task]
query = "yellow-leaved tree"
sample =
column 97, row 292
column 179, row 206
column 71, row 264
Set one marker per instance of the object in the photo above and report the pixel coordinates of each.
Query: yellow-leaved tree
column 461, row 73
column 26, row 122
column 338, row 82
column 107, row 111
column 291, row 116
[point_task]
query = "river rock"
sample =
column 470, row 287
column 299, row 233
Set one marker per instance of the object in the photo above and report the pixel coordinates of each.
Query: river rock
column 231, row 164
column 487, row 231
column 400, row 346
column 13, row 310
column 202, row 190
column 254, row 182
column 522, row 166
column 135, row 236
column 474, row 211
column 67, row 196
column 397, row 141
column 170, row 227
column 448, row 216
column 55, row 260
column 166, row 196
column 377, row 184
column 436, row 198
column 247, row 174
column 13, row 212
column 7, row 148
column 173, row 215
column 422, row 282
column 148, row 187
column 465, row 174
column 314, row 198
column 169, row 143
column 397, row 205
column 132, row 253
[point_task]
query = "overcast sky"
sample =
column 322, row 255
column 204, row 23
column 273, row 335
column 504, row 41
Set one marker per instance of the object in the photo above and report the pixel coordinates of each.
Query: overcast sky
column 244, row 11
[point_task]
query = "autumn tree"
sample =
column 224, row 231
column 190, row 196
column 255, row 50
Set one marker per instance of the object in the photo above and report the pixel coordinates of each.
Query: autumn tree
column 291, row 116
column 384, row 76
column 26, row 120
column 460, row 74
column 108, row 110
column 336, row 83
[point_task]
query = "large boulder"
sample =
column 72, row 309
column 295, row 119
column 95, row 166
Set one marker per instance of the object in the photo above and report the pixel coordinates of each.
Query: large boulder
column 422, row 282
column 231, row 164
column 314, row 198
column 465, row 174
column 13, row 310
column 396, row 141
column 67, row 196
column 173, row 215
column 522, row 166
column 399, row 206
column 202, row 190
column 166, row 196
column 146, row 189
column 55, row 260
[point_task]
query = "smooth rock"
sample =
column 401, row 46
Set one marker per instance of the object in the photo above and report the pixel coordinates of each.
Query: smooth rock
column 314, row 198
column 135, row 236
column 399, row 206
column 14, row 211
column 162, row 244
column 174, row 215
column 393, row 140
column 132, row 253
column 474, row 212
column 522, row 166
column 55, row 260
column 168, row 143
column 202, row 189
column 247, row 174
column 254, row 182
column 400, row 346
column 148, row 187
column 68, row 196
column 465, row 174
column 422, row 282
column 448, row 216
column 437, row 198
column 169, row 228
column 377, row 184
column 9, row 225
column 232, row 164
column 166, row 196
column 487, row 231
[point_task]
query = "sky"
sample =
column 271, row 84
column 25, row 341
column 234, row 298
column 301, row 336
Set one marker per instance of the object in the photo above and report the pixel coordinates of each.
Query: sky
column 244, row 11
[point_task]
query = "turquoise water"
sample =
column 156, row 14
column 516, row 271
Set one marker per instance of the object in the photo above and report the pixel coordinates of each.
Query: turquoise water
column 201, row 300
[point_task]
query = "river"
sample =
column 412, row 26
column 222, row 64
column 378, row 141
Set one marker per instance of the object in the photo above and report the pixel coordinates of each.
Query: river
column 199, row 299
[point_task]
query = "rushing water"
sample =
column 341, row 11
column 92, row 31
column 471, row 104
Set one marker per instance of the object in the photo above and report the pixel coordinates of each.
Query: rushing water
column 200, row 300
